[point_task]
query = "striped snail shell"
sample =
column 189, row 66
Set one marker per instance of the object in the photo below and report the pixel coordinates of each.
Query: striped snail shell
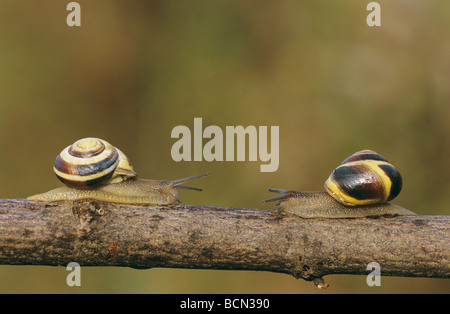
column 364, row 178
column 90, row 162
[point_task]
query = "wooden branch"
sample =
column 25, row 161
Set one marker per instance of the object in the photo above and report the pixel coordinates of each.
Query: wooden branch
column 186, row 236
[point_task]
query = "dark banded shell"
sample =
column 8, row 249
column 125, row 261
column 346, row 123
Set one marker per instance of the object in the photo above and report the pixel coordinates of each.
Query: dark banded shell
column 89, row 162
column 364, row 155
column 364, row 178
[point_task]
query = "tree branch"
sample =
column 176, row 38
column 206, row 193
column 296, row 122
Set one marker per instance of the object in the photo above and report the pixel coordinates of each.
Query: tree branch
column 92, row 233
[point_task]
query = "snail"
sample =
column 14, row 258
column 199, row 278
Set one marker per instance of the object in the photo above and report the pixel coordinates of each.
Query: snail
column 92, row 168
column 360, row 187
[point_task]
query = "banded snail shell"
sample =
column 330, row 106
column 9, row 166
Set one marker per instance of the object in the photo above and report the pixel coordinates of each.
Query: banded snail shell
column 364, row 178
column 91, row 161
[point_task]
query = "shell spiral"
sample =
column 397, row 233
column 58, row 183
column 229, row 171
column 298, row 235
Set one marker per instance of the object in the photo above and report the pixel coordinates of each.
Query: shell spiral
column 91, row 161
column 364, row 178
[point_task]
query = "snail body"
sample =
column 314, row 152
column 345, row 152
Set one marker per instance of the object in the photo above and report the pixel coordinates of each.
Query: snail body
column 319, row 204
column 93, row 169
column 360, row 187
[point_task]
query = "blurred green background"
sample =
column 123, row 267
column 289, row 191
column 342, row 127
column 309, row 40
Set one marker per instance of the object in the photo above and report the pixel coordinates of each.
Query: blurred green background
column 136, row 69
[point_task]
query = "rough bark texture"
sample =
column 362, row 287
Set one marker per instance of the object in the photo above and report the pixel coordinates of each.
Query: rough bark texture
column 187, row 236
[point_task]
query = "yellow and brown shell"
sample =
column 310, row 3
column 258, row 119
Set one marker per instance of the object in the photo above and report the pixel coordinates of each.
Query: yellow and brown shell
column 364, row 178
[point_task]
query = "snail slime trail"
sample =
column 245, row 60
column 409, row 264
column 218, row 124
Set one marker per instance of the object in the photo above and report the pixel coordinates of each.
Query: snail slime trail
column 235, row 140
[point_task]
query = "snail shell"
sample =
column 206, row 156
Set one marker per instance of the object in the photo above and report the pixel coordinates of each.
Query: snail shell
column 364, row 178
column 133, row 191
column 92, row 168
column 319, row 204
column 91, row 161
column 360, row 187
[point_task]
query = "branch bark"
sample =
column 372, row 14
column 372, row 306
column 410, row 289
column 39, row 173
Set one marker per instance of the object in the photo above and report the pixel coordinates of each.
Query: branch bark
column 92, row 233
